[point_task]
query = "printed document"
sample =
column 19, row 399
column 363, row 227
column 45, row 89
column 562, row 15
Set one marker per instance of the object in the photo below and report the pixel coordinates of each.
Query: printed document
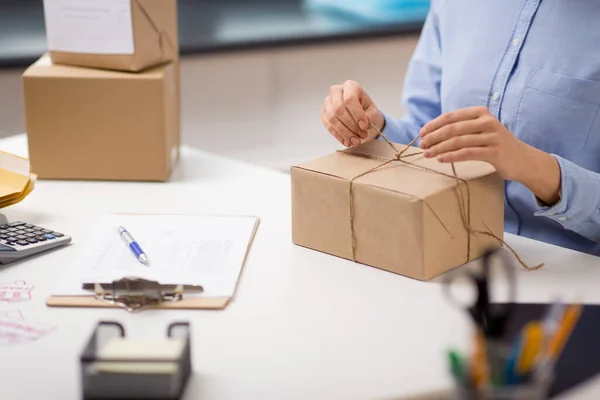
column 181, row 249
column 89, row 26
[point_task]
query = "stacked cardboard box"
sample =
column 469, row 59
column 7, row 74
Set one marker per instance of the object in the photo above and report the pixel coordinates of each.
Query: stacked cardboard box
column 104, row 103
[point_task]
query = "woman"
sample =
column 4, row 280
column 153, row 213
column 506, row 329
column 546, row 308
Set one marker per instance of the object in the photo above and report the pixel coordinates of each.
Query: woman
column 515, row 83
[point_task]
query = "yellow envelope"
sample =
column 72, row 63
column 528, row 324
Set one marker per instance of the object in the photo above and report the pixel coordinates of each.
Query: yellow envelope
column 14, row 175
column 20, row 196
column 16, row 179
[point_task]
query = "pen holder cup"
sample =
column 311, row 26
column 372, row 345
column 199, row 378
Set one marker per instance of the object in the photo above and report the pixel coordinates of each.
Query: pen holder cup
column 535, row 390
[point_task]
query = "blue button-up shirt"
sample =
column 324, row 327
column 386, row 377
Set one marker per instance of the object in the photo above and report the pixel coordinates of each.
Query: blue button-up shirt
column 536, row 65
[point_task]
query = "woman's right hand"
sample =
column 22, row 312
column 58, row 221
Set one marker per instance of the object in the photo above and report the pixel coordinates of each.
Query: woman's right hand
column 348, row 112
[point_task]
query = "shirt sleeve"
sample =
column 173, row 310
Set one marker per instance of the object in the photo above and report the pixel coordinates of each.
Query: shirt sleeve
column 421, row 96
column 578, row 207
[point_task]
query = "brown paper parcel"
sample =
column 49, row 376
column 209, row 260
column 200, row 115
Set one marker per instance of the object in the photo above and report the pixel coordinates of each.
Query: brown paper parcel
column 406, row 218
column 155, row 40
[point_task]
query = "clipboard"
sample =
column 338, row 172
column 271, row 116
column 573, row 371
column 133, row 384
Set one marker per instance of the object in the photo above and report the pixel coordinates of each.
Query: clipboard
column 135, row 294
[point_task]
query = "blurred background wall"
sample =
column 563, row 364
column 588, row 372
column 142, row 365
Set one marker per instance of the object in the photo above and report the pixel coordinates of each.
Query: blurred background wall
column 254, row 72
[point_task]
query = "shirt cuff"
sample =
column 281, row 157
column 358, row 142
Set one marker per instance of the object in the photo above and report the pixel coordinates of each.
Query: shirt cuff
column 579, row 196
column 397, row 131
column 388, row 127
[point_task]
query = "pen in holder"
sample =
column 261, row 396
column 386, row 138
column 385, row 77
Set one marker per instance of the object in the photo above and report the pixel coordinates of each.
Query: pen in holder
column 115, row 367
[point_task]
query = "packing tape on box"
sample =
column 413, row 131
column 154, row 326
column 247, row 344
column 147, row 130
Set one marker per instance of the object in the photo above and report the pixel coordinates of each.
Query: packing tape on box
column 464, row 200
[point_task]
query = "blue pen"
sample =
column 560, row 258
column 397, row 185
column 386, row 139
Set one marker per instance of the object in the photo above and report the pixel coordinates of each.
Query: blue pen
column 133, row 245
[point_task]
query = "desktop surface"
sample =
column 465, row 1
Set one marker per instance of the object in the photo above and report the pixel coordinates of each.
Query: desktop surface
column 302, row 324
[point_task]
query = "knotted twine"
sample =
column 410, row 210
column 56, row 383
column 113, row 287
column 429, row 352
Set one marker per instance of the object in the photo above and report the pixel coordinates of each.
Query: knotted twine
column 463, row 200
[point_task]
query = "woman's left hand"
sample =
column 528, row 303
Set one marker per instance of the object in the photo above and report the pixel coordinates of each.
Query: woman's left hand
column 475, row 134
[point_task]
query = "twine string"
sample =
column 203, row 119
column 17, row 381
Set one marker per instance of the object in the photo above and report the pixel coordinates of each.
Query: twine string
column 463, row 198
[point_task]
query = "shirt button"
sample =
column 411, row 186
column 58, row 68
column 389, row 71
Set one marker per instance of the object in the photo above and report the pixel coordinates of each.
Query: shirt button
column 496, row 96
column 562, row 218
column 515, row 42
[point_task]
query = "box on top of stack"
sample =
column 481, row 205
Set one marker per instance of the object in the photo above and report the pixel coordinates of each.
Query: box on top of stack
column 125, row 35
column 410, row 216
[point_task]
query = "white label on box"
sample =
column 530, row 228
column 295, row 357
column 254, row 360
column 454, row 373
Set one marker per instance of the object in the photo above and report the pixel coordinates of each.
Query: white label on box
column 89, row 26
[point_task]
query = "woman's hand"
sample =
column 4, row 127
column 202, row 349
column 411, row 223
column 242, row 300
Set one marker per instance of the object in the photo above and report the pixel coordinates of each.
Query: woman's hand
column 475, row 134
column 347, row 113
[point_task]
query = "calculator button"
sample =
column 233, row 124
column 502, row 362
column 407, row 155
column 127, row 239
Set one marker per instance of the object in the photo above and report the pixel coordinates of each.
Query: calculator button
column 28, row 230
column 32, row 240
column 30, row 235
column 21, row 232
column 3, row 236
column 40, row 233
column 21, row 237
column 58, row 234
column 12, row 229
column 23, row 243
column 17, row 223
column 41, row 238
column 49, row 236
column 46, row 230
column 28, row 226
column 3, row 226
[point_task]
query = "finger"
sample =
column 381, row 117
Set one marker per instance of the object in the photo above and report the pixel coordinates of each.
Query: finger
column 460, row 142
column 343, row 115
column 449, row 131
column 370, row 108
column 352, row 94
column 466, row 154
column 348, row 137
column 451, row 117
column 339, row 137
column 330, row 128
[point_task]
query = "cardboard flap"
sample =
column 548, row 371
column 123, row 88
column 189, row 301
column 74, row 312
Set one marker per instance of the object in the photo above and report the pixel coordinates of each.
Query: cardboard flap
column 162, row 17
column 402, row 177
column 44, row 67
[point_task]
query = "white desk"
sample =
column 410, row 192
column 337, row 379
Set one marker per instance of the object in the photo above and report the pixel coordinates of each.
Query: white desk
column 303, row 325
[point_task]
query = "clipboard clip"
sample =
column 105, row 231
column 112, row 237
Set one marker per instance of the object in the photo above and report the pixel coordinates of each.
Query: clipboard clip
column 138, row 294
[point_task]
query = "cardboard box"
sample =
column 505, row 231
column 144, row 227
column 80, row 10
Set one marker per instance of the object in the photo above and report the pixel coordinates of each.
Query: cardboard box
column 102, row 125
column 406, row 219
column 73, row 40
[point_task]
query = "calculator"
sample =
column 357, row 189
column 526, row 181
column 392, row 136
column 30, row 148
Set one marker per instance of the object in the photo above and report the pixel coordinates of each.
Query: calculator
column 19, row 240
